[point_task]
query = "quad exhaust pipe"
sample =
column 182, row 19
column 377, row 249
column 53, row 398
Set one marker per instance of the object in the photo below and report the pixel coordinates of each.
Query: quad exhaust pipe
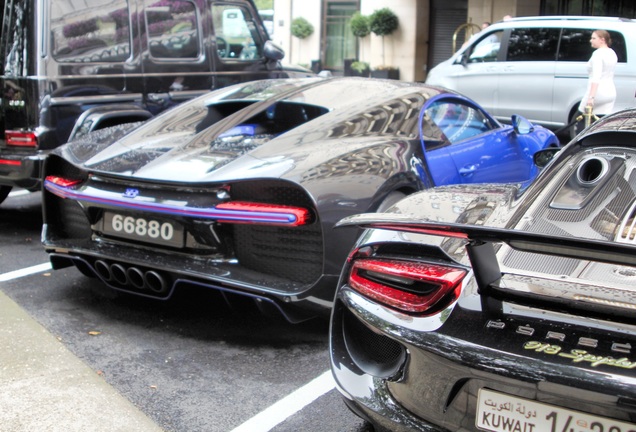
column 131, row 277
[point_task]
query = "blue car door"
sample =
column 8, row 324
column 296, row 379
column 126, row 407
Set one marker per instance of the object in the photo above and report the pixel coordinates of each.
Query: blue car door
column 469, row 146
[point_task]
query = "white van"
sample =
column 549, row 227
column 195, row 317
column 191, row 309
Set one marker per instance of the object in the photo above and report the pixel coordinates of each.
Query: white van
column 537, row 66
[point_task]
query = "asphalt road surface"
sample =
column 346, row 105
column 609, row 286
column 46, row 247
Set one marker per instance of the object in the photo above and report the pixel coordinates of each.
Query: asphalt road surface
column 190, row 363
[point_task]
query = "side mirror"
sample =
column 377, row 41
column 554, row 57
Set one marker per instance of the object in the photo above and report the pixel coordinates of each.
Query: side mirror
column 521, row 125
column 273, row 51
column 542, row 157
column 464, row 58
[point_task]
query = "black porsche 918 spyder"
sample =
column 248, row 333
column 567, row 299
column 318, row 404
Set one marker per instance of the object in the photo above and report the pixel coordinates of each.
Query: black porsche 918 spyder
column 478, row 307
column 239, row 190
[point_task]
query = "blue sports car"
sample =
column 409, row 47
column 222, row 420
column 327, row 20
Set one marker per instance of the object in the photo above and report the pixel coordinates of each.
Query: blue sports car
column 239, row 189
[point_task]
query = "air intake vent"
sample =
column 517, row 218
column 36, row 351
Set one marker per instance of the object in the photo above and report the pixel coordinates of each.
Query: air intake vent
column 627, row 229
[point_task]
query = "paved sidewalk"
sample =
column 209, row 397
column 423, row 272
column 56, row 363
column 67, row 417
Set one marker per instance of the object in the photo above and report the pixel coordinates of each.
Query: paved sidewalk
column 46, row 388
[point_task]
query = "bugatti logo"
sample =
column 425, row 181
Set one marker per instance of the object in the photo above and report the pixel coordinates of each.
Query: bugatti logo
column 131, row 193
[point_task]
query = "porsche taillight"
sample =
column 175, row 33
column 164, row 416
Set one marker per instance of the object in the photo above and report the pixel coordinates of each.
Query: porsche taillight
column 408, row 286
column 20, row 138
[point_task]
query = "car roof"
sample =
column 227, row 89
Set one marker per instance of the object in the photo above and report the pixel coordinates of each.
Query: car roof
column 566, row 20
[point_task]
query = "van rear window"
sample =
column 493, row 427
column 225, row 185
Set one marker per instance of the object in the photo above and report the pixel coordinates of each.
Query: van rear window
column 82, row 32
column 575, row 45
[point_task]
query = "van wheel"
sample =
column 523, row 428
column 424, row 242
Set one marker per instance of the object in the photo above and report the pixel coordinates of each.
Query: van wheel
column 390, row 199
column 4, row 192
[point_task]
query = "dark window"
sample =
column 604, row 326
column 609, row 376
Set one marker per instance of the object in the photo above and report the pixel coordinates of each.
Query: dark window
column 533, row 44
column 575, row 45
column 172, row 30
column 15, row 41
column 91, row 34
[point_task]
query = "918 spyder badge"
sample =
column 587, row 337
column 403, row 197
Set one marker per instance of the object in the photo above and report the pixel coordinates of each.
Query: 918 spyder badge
column 131, row 193
column 578, row 355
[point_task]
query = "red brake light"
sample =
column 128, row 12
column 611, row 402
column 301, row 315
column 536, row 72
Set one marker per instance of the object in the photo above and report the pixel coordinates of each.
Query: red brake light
column 63, row 182
column 10, row 162
column 21, row 139
column 262, row 212
column 407, row 286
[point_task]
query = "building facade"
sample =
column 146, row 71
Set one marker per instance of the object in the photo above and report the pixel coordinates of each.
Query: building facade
column 428, row 31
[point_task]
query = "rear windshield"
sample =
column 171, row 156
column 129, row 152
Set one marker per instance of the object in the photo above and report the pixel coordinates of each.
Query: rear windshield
column 90, row 31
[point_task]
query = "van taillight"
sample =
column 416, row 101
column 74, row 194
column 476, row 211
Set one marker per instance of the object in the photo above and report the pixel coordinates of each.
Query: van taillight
column 21, row 139
column 408, row 286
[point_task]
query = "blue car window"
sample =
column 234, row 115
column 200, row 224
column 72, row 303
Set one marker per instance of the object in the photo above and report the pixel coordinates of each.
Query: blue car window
column 457, row 121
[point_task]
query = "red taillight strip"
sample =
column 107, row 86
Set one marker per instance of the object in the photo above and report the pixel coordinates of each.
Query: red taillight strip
column 230, row 212
column 10, row 162
column 20, row 139
column 446, row 279
column 63, row 182
column 293, row 215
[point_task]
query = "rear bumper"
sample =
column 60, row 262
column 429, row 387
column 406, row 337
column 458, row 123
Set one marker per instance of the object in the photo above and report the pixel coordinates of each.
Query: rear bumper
column 20, row 170
column 437, row 384
column 129, row 269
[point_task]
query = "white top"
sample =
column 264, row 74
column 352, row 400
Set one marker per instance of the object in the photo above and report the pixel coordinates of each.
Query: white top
column 600, row 68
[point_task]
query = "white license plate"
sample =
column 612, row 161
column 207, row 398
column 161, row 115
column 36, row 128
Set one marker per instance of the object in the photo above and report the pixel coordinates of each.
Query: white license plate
column 498, row 412
column 144, row 229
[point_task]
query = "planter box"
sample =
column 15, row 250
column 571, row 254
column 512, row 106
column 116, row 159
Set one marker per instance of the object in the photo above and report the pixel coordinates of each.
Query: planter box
column 352, row 72
column 386, row 74
column 365, row 73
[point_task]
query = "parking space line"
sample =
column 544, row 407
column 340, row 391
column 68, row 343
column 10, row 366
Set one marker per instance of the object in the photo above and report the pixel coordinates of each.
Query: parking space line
column 18, row 193
column 289, row 405
column 25, row 272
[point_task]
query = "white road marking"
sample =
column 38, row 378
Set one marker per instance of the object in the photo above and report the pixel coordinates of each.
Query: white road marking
column 25, row 272
column 265, row 420
column 289, row 405
column 19, row 193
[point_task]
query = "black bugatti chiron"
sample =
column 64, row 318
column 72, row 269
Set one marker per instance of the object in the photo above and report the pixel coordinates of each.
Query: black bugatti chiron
column 239, row 189
column 479, row 307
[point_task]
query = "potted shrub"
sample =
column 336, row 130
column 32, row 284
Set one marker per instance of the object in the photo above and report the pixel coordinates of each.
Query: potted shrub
column 384, row 22
column 360, row 68
column 359, row 25
column 301, row 28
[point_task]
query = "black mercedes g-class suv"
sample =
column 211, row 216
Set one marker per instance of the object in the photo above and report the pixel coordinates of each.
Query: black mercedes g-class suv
column 73, row 67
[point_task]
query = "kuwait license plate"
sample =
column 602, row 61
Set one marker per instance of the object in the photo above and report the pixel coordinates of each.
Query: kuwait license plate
column 498, row 412
column 145, row 229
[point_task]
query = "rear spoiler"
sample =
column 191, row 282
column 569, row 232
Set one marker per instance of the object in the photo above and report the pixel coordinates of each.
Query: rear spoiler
column 480, row 242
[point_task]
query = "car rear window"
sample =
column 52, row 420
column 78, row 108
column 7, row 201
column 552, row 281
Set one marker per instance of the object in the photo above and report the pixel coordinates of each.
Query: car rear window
column 84, row 33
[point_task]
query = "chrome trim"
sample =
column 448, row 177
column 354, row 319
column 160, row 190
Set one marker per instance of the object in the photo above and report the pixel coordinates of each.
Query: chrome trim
column 126, row 97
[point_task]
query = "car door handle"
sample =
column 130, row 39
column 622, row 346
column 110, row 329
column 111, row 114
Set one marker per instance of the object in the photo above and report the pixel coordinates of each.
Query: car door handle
column 467, row 170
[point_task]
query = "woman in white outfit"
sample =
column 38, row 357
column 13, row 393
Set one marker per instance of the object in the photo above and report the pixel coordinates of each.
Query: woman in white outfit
column 601, row 92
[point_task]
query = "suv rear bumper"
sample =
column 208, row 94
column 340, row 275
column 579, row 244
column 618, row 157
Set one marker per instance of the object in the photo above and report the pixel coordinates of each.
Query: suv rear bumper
column 20, row 170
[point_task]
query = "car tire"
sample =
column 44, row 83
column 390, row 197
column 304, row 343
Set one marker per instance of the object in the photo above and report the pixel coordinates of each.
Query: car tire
column 4, row 192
